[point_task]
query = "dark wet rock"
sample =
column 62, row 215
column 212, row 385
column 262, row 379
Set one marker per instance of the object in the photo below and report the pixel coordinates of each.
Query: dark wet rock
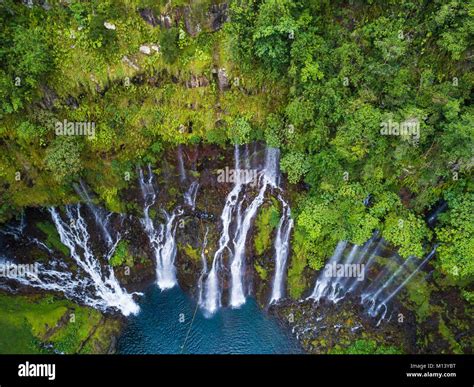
column 191, row 23
column 204, row 215
column 72, row 102
column 49, row 98
column 149, row 16
column 197, row 81
column 218, row 15
column 152, row 19
column 327, row 326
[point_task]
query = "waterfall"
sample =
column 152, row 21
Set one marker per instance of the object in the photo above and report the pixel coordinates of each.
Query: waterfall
column 376, row 293
column 375, row 310
column 378, row 248
column 272, row 166
column 162, row 239
column 323, row 281
column 74, row 235
column 270, row 176
column 99, row 214
column 212, row 300
column 96, row 284
column 337, row 285
column 237, row 296
column 16, row 231
column 182, row 171
column 342, row 286
column 190, row 195
column 282, row 249
column 204, row 268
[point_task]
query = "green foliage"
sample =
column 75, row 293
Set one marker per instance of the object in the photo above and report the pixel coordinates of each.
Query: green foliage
column 122, row 255
column 267, row 220
column 296, row 281
column 25, row 58
column 406, row 232
column 367, row 347
column 456, row 236
column 192, row 252
column 169, row 44
column 317, row 80
column 261, row 271
column 63, row 158
column 295, row 165
column 53, row 240
column 241, row 131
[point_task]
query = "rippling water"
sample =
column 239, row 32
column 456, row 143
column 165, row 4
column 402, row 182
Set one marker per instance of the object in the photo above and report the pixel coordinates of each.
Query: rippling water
column 164, row 326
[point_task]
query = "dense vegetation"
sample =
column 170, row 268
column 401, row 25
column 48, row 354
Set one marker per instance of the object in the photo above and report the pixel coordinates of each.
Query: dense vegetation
column 318, row 79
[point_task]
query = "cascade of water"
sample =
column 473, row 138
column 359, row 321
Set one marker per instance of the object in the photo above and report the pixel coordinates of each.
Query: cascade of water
column 343, row 286
column 99, row 288
column 237, row 295
column 162, row 239
column 190, row 195
column 270, row 176
column 373, row 296
column 272, row 166
column 212, row 299
column 378, row 248
column 337, row 285
column 182, row 171
column 16, row 231
column 204, row 268
column 282, row 249
column 101, row 219
column 376, row 308
column 323, row 281
column 246, row 157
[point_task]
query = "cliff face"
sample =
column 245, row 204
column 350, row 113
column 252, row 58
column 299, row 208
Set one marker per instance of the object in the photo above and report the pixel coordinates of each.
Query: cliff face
column 199, row 218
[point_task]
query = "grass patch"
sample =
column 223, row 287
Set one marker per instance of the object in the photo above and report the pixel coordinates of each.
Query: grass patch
column 28, row 321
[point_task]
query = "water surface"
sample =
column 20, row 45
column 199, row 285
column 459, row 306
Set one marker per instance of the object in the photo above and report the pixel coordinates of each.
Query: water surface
column 165, row 325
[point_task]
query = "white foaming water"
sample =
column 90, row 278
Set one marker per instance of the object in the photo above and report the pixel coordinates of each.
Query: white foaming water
column 190, row 195
column 272, row 166
column 323, row 281
column 16, row 231
column 337, row 287
column 242, row 219
column 95, row 285
column 162, row 239
column 237, row 295
column 74, row 235
column 99, row 216
column 182, row 171
column 375, row 310
column 204, row 268
column 282, row 249
column 212, row 299
column 270, row 176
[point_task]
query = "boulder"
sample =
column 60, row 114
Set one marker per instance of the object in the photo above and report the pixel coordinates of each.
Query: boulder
column 223, row 79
